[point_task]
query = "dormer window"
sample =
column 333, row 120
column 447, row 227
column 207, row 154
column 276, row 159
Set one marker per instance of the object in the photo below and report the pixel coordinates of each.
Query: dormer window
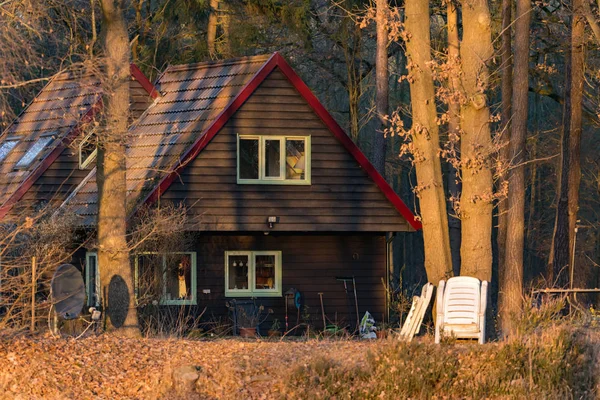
column 6, row 147
column 34, row 151
column 88, row 149
column 275, row 160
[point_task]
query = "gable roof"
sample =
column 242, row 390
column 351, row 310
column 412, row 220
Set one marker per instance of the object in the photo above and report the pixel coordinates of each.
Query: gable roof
column 197, row 100
column 69, row 101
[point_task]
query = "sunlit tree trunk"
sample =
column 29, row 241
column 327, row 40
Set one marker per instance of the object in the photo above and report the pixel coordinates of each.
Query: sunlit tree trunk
column 211, row 34
column 382, row 81
column 506, row 115
column 113, row 257
column 511, row 285
column 453, row 132
column 425, row 137
column 476, row 143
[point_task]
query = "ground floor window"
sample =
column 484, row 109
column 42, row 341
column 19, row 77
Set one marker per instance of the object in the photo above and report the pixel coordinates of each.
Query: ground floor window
column 92, row 280
column 165, row 278
column 252, row 273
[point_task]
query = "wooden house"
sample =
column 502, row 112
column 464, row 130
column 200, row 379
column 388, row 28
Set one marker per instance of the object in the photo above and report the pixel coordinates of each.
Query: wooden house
column 278, row 196
column 48, row 150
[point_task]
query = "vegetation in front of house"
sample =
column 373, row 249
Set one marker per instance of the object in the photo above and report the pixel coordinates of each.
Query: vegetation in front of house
column 556, row 363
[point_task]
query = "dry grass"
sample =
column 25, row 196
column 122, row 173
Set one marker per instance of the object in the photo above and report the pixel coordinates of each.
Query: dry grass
column 559, row 362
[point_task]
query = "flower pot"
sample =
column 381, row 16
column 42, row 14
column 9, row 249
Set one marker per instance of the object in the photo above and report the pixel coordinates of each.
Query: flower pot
column 381, row 334
column 248, row 332
column 273, row 333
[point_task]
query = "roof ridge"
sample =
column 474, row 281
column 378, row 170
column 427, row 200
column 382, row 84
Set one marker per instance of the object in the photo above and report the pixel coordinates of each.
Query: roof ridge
column 219, row 63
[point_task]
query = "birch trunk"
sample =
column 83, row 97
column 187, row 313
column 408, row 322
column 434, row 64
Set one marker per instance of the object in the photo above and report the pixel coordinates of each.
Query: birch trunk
column 425, row 138
column 476, row 142
column 211, row 32
column 113, row 257
column 511, row 285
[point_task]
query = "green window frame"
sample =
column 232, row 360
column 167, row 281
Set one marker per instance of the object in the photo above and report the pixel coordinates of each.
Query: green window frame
column 284, row 160
column 163, row 296
column 252, row 290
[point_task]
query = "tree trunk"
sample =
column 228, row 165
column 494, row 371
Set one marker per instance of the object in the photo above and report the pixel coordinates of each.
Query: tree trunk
column 476, row 142
column 453, row 134
column 511, row 285
column 211, row 32
column 113, row 258
column 505, row 127
column 382, row 81
column 577, row 76
column 570, row 171
column 425, row 138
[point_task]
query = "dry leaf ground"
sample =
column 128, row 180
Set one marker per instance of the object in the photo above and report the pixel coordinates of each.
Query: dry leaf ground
column 554, row 363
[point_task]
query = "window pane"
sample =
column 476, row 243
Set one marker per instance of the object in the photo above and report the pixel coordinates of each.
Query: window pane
column 6, row 148
column 238, row 272
column 178, row 277
column 248, row 159
column 149, row 278
column 33, row 151
column 265, row 271
column 88, row 149
column 295, row 159
column 93, row 295
column 272, row 158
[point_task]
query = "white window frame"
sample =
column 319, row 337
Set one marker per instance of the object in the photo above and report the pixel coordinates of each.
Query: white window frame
column 89, row 159
column 252, row 291
column 281, row 180
column 93, row 294
column 163, row 300
column 31, row 155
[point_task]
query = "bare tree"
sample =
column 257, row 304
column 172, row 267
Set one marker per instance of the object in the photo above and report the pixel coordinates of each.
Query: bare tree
column 211, row 34
column 113, row 257
column 476, row 143
column 382, row 82
column 453, row 130
column 426, row 142
column 504, row 154
column 511, row 285
column 570, row 168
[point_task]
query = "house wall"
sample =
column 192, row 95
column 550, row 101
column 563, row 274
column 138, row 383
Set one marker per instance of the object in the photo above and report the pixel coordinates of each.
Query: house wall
column 310, row 263
column 341, row 197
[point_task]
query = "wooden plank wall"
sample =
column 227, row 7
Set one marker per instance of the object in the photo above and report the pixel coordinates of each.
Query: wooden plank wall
column 341, row 198
column 310, row 263
column 139, row 99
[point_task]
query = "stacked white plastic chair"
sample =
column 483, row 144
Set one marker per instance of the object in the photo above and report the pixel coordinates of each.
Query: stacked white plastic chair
column 413, row 322
column 461, row 306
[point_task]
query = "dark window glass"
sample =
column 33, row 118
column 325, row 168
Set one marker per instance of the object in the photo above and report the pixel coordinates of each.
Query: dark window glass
column 248, row 159
column 272, row 158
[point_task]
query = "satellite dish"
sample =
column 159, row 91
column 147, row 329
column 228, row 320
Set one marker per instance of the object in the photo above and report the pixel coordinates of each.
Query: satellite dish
column 68, row 291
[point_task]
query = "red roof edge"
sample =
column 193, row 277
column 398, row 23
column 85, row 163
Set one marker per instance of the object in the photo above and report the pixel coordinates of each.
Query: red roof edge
column 339, row 133
column 144, row 81
column 277, row 60
column 48, row 160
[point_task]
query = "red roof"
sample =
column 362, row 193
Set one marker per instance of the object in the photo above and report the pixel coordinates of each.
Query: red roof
column 197, row 101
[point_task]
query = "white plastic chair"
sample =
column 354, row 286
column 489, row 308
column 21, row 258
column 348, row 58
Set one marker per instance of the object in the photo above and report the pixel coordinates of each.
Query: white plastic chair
column 414, row 319
column 460, row 309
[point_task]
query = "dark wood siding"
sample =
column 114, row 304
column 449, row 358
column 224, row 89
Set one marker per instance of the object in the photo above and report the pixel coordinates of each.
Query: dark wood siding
column 341, row 197
column 310, row 264
column 55, row 184
column 139, row 99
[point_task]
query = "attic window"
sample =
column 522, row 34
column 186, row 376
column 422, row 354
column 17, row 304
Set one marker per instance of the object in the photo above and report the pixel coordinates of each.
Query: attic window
column 88, row 149
column 33, row 152
column 6, row 147
column 275, row 160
